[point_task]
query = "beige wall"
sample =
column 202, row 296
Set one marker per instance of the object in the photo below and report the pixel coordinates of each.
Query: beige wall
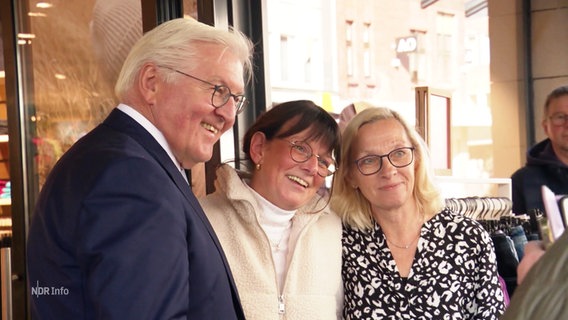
column 549, row 44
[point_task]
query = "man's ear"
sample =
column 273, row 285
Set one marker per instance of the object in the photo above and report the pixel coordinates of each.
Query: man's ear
column 147, row 82
column 257, row 144
column 545, row 127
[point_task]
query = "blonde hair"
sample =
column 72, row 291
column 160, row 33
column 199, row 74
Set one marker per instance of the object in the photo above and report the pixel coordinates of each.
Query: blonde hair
column 353, row 208
column 176, row 43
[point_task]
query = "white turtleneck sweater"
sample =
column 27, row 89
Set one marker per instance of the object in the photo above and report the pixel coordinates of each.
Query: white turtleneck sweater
column 276, row 223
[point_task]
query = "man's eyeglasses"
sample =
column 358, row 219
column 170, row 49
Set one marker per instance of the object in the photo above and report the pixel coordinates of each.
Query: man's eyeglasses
column 558, row 119
column 300, row 151
column 372, row 164
column 221, row 93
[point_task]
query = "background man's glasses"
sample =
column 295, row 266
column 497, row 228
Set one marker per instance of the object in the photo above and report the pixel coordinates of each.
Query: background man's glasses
column 221, row 93
column 372, row 164
column 300, row 151
column 558, row 119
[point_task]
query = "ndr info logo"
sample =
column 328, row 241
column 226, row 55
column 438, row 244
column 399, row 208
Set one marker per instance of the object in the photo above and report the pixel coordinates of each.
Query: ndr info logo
column 49, row 291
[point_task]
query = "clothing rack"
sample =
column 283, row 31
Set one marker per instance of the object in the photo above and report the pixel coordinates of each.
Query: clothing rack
column 481, row 208
column 494, row 213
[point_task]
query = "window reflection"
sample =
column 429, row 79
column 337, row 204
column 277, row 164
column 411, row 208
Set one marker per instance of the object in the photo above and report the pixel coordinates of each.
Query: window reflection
column 379, row 51
column 77, row 50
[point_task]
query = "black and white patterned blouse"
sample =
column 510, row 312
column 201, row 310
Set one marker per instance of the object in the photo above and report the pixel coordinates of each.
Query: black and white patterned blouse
column 453, row 275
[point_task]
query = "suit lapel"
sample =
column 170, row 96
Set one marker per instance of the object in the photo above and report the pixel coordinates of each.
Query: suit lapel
column 120, row 121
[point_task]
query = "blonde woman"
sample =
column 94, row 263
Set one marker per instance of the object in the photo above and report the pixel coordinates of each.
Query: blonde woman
column 405, row 256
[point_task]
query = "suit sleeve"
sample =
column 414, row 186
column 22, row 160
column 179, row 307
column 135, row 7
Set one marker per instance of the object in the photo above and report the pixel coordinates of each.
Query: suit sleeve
column 132, row 245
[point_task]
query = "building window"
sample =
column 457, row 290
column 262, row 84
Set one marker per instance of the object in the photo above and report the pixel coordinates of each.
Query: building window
column 284, row 63
column 349, row 48
column 445, row 29
column 367, row 53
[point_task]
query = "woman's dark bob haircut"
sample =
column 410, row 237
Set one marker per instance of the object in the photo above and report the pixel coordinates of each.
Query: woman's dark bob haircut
column 302, row 115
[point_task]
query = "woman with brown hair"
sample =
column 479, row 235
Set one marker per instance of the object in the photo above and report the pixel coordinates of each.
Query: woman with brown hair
column 282, row 241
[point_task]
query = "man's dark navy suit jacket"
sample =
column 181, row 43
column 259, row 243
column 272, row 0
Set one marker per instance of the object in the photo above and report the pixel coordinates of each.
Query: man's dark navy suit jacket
column 118, row 234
